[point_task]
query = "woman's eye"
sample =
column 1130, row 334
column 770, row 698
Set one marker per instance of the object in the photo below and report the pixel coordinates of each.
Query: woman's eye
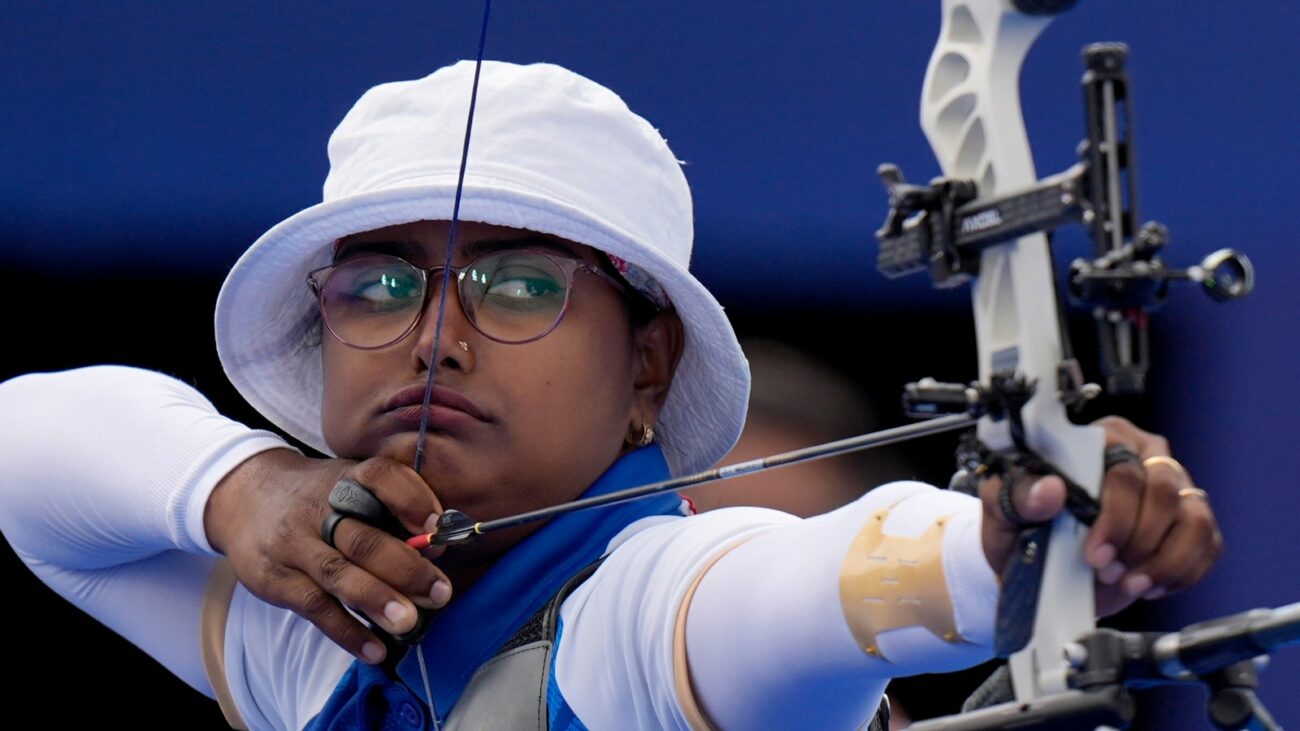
column 520, row 281
column 525, row 287
column 385, row 288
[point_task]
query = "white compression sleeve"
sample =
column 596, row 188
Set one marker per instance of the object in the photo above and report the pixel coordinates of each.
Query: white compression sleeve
column 767, row 638
column 104, row 476
column 766, row 635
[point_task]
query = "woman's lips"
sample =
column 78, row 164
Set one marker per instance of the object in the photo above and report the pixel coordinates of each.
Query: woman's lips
column 447, row 408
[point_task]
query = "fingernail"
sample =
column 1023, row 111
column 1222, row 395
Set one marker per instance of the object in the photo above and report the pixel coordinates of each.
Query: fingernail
column 373, row 652
column 431, row 525
column 1137, row 584
column 396, row 612
column 1036, row 491
column 1155, row 593
column 1111, row 573
column 1102, row 556
column 440, row 593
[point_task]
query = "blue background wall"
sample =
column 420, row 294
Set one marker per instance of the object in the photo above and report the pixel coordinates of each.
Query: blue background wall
column 150, row 139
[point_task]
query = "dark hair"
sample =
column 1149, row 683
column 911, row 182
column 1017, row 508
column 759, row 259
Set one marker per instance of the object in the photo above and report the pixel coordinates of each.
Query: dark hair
column 640, row 309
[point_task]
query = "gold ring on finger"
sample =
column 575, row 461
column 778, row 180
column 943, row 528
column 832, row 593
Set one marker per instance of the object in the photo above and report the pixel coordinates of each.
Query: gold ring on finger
column 1167, row 461
column 1194, row 491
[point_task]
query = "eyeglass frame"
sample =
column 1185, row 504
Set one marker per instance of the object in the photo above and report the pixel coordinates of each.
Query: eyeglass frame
column 570, row 266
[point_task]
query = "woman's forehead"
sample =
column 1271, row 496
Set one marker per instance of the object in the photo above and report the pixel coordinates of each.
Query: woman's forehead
column 428, row 240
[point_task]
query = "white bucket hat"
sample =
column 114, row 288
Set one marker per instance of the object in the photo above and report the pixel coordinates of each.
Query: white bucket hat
column 552, row 152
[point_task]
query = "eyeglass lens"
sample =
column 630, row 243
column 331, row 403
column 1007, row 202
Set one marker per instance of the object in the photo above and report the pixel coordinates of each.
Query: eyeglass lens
column 510, row 296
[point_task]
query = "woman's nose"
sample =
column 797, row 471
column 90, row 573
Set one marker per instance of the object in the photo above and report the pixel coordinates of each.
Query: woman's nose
column 453, row 343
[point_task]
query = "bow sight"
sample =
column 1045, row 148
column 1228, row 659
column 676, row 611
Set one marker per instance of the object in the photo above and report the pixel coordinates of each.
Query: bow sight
column 944, row 226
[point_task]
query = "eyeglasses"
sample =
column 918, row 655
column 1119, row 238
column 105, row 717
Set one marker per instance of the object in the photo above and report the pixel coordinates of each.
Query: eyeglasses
column 513, row 296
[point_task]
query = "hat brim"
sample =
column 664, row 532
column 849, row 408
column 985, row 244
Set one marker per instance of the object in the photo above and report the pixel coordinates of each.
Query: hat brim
column 267, row 328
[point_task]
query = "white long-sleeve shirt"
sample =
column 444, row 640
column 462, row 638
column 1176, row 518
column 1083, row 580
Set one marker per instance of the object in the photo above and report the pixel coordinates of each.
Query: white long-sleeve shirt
column 118, row 531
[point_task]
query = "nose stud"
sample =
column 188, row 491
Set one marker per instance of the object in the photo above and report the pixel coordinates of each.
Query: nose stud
column 463, row 345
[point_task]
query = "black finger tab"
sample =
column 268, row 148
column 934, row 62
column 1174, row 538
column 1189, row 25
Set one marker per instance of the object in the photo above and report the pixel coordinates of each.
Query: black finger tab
column 329, row 525
column 355, row 500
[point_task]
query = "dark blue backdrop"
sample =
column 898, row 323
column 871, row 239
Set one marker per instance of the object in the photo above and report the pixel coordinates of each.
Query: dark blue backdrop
column 164, row 137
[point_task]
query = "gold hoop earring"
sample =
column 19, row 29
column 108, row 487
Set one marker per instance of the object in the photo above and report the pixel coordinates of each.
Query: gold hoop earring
column 647, row 434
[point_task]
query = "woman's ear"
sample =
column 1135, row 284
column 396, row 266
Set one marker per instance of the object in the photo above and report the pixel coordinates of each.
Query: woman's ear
column 658, row 347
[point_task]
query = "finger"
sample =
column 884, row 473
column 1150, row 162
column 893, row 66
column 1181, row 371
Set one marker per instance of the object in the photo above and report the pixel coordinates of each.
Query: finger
column 394, row 563
column 1121, row 501
column 401, row 489
column 324, row 611
column 1039, row 499
column 1187, row 553
column 1110, row 598
column 1033, row 498
column 1121, row 431
column 1167, row 470
column 336, row 575
column 1159, row 509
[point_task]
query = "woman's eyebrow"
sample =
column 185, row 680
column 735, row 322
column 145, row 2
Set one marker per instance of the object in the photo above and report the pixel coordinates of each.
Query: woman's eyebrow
column 352, row 249
column 485, row 246
column 413, row 251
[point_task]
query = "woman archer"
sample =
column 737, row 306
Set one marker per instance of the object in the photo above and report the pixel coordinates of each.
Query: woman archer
column 577, row 356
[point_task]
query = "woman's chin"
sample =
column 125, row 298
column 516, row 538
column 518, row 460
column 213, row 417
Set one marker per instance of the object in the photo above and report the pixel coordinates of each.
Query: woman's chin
column 447, row 461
